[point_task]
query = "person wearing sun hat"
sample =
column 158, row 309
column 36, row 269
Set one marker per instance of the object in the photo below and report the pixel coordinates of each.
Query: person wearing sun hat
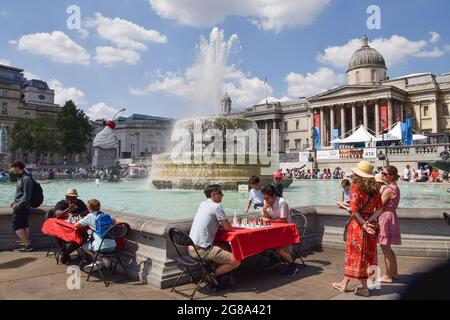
column 70, row 205
column 361, row 248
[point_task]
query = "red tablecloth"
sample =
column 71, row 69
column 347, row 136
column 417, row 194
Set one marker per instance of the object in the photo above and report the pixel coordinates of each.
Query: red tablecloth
column 248, row 242
column 63, row 230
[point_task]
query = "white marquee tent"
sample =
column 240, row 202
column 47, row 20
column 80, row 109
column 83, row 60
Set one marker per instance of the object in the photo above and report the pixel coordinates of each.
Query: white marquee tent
column 396, row 134
column 361, row 135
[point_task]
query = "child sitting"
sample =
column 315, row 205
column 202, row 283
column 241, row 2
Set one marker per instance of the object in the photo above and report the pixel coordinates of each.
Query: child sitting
column 345, row 201
column 99, row 223
column 255, row 197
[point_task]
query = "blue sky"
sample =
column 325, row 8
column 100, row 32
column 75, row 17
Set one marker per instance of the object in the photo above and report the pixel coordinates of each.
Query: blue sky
column 300, row 47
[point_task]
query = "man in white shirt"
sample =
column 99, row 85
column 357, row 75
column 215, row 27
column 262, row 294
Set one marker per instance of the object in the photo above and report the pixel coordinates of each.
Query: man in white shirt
column 407, row 173
column 277, row 210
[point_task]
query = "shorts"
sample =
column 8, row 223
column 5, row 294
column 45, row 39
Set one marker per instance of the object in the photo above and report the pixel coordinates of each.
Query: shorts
column 215, row 254
column 20, row 218
column 89, row 246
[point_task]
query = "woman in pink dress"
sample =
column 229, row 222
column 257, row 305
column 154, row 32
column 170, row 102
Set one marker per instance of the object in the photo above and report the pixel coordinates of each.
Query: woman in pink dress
column 389, row 228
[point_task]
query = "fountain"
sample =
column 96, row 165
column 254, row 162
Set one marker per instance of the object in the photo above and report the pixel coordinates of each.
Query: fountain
column 221, row 149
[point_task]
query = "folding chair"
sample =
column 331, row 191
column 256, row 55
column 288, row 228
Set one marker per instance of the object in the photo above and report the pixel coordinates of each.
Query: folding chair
column 302, row 224
column 181, row 240
column 118, row 231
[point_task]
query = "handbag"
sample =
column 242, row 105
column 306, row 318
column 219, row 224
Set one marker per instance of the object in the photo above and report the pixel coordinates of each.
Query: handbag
column 352, row 216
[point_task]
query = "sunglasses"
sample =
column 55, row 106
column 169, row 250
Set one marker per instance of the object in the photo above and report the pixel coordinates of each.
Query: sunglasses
column 385, row 174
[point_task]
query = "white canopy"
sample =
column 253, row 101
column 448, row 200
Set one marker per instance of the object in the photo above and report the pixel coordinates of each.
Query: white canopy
column 361, row 135
column 396, row 134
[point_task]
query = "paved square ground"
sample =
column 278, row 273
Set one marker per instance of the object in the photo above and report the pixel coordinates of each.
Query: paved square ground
column 33, row 276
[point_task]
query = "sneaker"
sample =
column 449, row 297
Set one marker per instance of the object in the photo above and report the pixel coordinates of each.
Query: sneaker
column 97, row 266
column 225, row 282
column 273, row 263
column 292, row 271
column 27, row 248
column 63, row 258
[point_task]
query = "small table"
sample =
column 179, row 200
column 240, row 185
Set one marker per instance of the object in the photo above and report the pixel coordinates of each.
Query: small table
column 63, row 230
column 248, row 242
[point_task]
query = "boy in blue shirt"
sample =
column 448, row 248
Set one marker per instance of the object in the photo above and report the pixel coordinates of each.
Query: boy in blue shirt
column 255, row 196
column 91, row 247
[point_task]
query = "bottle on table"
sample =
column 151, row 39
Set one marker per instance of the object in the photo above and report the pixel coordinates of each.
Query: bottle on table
column 70, row 218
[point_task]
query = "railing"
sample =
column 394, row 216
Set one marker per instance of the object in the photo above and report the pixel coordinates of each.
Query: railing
column 418, row 152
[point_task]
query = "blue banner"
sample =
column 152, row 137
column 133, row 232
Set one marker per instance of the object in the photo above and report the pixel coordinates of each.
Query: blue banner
column 316, row 137
column 407, row 132
column 335, row 136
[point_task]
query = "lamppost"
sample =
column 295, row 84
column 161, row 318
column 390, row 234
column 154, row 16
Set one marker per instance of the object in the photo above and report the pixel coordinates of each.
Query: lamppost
column 383, row 132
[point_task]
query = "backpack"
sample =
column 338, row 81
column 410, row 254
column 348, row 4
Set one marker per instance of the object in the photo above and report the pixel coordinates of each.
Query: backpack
column 37, row 195
column 103, row 222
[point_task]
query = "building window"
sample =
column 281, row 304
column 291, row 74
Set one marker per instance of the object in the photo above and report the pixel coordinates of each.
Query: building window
column 374, row 76
column 41, row 97
column 286, row 145
column 5, row 93
column 297, row 125
column 445, row 110
column 5, row 108
column 298, row 144
column 307, row 143
column 425, row 111
column 286, row 126
column 357, row 76
column 27, row 113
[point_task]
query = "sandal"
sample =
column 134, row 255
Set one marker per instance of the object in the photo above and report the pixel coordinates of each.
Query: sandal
column 338, row 286
column 362, row 292
column 386, row 279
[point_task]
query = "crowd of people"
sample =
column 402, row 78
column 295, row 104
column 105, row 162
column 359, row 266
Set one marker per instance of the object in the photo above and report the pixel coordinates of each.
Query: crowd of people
column 309, row 174
column 424, row 174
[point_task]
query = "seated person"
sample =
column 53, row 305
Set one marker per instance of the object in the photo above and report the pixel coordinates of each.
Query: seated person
column 345, row 201
column 210, row 215
column 277, row 210
column 255, row 197
column 99, row 223
column 71, row 205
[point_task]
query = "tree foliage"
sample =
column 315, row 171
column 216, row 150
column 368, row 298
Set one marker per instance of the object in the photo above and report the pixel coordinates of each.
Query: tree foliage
column 74, row 129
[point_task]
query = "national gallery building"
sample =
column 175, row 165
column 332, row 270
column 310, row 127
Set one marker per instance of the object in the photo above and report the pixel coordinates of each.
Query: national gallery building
column 369, row 98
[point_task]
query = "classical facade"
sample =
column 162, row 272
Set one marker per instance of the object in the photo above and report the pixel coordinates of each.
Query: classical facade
column 372, row 99
column 368, row 98
column 22, row 98
column 142, row 136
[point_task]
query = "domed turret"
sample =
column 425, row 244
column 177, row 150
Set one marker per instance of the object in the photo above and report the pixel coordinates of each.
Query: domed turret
column 226, row 105
column 366, row 66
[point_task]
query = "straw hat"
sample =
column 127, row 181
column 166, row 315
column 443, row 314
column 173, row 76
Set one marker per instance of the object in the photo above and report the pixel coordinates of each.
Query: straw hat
column 364, row 169
column 379, row 178
column 72, row 193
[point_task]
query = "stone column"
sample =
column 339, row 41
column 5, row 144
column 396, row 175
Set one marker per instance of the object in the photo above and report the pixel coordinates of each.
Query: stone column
column 353, row 117
column 322, row 128
column 377, row 117
column 401, row 111
column 331, row 123
column 343, row 120
column 434, row 117
column 365, row 121
column 390, row 114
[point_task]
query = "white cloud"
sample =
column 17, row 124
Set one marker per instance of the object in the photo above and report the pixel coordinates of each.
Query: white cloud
column 273, row 99
column 30, row 75
column 395, row 50
column 63, row 94
column 435, row 37
column 266, row 14
column 56, row 46
column 5, row 62
column 203, row 84
column 324, row 79
column 128, row 37
column 101, row 111
column 111, row 55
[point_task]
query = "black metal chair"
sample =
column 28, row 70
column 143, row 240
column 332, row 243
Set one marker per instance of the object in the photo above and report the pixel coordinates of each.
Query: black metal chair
column 181, row 240
column 116, row 232
column 302, row 224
